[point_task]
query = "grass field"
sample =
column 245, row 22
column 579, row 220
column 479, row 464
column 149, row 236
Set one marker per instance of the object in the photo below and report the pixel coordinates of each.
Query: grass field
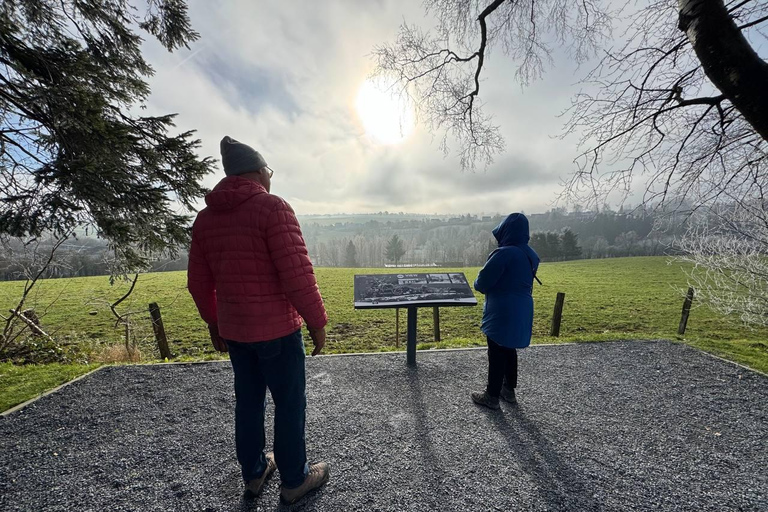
column 623, row 298
column 20, row 383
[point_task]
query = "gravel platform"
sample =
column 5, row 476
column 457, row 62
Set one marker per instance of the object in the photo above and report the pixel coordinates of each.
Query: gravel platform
column 600, row 426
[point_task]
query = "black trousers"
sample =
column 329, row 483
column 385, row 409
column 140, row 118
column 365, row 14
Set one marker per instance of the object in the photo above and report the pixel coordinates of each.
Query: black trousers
column 502, row 365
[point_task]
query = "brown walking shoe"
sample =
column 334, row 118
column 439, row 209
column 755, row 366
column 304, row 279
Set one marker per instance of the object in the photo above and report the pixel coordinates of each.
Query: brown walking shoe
column 317, row 477
column 483, row 398
column 253, row 487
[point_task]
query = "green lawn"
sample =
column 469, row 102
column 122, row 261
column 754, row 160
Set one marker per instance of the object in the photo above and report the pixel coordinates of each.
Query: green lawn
column 20, row 383
column 623, row 298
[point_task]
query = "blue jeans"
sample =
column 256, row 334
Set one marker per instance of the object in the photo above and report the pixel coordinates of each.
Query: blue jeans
column 278, row 365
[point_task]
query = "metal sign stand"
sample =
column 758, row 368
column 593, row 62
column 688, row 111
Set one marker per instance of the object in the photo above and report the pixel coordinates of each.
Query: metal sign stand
column 410, row 292
column 411, row 351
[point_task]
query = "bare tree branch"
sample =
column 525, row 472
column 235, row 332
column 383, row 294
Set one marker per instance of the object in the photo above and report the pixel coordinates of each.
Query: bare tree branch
column 33, row 271
column 753, row 23
column 443, row 73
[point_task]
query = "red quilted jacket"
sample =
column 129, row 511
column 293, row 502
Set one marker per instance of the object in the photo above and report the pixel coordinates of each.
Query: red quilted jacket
column 249, row 270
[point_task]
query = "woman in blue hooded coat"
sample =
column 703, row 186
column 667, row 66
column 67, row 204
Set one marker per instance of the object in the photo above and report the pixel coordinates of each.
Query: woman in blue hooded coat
column 506, row 280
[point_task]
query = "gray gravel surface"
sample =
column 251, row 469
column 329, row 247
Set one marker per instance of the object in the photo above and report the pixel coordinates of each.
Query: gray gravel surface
column 600, row 426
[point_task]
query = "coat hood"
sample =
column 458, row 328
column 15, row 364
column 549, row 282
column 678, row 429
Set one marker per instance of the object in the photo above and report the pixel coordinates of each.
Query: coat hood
column 231, row 192
column 512, row 231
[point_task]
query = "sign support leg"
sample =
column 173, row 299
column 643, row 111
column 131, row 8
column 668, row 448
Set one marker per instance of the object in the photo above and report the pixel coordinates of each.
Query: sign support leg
column 436, row 321
column 411, row 355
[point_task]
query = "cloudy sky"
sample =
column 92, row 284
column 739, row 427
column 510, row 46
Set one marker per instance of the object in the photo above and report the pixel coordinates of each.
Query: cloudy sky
column 284, row 76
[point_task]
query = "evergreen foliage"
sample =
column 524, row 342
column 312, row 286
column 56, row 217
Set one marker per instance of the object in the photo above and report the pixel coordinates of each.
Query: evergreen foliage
column 551, row 246
column 73, row 152
column 395, row 249
column 350, row 259
column 569, row 245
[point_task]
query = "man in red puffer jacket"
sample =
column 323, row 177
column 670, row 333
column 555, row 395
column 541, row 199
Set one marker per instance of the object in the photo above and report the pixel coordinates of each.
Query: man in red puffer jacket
column 252, row 281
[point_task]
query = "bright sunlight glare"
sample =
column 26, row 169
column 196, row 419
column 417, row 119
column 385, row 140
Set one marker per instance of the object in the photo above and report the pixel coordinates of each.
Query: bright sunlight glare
column 387, row 115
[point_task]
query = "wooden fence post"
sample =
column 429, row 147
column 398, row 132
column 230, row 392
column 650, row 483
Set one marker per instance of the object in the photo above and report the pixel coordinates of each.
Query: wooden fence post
column 436, row 319
column 557, row 317
column 686, row 312
column 31, row 315
column 157, row 326
column 33, row 326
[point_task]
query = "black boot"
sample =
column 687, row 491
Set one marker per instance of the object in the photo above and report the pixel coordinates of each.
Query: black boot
column 483, row 398
column 508, row 394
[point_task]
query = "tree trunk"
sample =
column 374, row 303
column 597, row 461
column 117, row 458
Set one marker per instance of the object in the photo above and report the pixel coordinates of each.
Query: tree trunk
column 728, row 59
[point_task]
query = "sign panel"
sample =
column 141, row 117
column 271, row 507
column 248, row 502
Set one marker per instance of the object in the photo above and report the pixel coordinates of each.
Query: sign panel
column 403, row 290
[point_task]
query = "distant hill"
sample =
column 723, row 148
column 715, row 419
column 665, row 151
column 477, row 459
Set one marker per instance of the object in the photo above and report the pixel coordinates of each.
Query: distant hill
column 360, row 239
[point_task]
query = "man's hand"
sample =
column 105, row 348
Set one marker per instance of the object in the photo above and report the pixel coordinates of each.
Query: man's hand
column 318, row 339
column 218, row 342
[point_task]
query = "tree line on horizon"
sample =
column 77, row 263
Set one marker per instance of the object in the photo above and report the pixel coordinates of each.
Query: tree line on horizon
column 466, row 240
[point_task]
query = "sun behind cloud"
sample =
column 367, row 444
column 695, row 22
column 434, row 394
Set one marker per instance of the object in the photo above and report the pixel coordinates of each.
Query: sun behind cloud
column 387, row 114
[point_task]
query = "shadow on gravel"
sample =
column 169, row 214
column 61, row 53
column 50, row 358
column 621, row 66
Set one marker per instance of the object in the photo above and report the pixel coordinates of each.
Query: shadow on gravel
column 432, row 480
column 557, row 482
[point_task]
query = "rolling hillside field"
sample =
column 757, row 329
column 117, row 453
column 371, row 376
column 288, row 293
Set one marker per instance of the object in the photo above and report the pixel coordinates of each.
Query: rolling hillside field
column 623, row 298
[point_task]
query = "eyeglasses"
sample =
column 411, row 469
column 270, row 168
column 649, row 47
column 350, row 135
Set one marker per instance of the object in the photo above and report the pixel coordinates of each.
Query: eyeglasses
column 271, row 172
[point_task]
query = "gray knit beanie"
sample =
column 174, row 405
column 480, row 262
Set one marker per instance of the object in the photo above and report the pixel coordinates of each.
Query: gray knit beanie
column 239, row 158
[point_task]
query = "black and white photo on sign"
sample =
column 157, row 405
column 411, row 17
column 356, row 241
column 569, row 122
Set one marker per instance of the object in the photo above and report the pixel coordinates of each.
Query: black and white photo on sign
column 388, row 290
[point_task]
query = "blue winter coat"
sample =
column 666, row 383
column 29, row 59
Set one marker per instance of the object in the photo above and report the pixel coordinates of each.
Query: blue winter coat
column 507, row 282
